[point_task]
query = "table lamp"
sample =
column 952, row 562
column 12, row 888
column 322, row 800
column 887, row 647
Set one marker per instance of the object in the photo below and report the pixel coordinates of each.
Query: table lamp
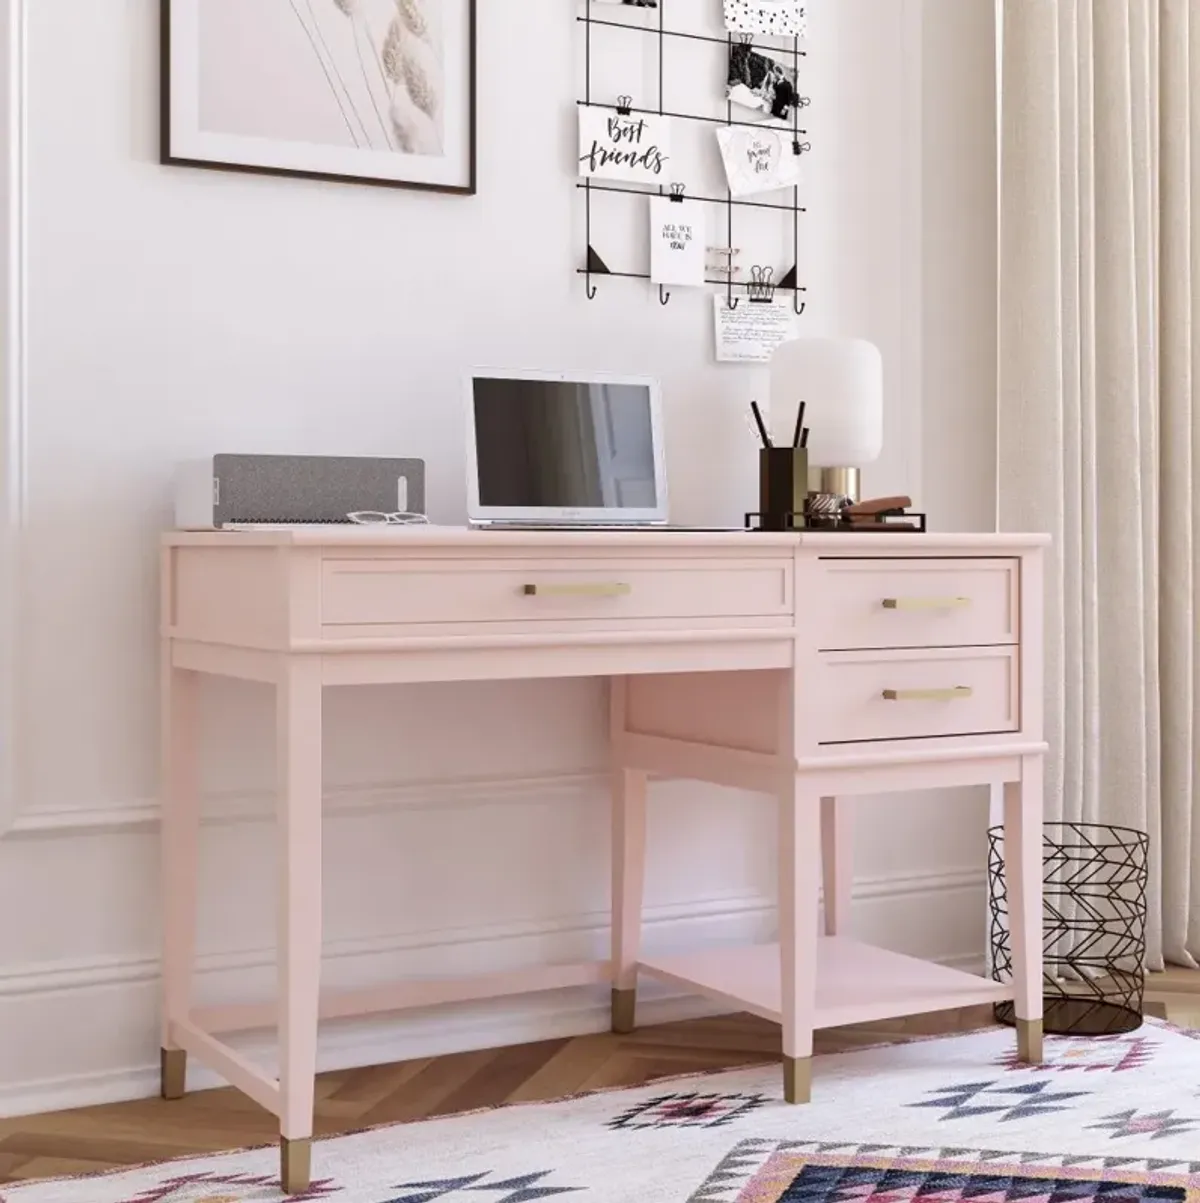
column 840, row 381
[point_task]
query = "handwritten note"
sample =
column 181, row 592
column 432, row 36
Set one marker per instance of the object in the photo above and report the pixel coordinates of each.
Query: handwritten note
column 751, row 332
column 634, row 148
column 677, row 242
column 758, row 160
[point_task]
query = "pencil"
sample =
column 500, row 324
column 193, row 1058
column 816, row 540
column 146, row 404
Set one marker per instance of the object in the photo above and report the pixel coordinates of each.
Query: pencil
column 799, row 424
column 762, row 426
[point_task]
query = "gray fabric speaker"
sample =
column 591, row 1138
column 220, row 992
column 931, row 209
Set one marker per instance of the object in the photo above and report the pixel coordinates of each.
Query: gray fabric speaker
column 312, row 488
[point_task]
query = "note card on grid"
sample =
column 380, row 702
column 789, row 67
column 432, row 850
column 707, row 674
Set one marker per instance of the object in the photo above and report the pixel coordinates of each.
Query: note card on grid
column 634, row 148
column 677, row 241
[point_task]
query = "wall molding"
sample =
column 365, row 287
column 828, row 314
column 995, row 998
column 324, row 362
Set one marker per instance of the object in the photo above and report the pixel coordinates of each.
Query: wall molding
column 89, row 993
column 258, row 806
column 381, row 1042
column 32, row 978
column 100, row 973
column 13, row 380
column 354, row 1046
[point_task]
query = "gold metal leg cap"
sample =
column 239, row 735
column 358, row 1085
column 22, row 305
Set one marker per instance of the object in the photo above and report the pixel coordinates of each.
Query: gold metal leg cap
column 1029, row 1041
column 797, row 1079
column 172, row 1072
column 295, row 1165
column 624, row 1008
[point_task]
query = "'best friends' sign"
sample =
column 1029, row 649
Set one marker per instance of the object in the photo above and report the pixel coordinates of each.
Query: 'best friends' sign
column 633, row 147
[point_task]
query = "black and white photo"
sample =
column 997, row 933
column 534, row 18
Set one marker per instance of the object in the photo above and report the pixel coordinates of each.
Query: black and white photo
column 762, row 82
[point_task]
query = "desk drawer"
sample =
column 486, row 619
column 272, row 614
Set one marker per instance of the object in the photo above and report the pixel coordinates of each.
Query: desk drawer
column 917, row 603
column 382, row 592
column 864, row 696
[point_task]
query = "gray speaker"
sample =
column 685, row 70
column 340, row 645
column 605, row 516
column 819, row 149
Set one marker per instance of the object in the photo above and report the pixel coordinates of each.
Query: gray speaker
column 291, row 489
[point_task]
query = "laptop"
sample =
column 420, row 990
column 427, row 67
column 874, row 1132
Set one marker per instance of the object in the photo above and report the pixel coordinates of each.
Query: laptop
column 564, row 450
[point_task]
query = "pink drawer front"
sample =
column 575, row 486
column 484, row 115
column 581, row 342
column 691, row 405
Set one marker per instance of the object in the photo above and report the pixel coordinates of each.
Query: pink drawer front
column 880, row 603
column 382, row 592
column 866, row 696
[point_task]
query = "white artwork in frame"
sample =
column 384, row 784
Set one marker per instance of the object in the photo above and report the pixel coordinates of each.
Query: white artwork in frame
column 365, row 91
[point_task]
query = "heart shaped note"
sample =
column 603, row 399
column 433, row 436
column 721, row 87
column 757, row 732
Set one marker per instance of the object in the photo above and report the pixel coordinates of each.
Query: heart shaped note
column 758, row 160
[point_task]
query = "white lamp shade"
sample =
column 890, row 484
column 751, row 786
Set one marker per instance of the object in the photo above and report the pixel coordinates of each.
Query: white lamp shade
column 841, row 382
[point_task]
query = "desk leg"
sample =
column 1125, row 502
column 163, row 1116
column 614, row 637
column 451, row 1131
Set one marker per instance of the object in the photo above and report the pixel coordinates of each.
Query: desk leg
column 628, row 884
column 799, row 887
column 179, row 835
column 837, row 862
column 298, row 782
column 1023, row 804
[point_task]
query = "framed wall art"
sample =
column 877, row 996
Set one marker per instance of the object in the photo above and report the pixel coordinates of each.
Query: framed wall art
column 363, row 91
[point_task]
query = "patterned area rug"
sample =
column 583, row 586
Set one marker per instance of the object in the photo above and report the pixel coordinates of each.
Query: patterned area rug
column 951, row 1120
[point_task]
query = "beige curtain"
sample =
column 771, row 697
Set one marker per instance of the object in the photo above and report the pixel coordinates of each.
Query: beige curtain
column 1099, row 427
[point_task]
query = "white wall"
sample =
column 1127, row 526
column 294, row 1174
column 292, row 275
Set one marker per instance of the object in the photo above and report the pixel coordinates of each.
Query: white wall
column 173, row 312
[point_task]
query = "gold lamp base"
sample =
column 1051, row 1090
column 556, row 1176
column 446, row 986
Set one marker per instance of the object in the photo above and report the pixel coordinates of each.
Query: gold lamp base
column 839, row 482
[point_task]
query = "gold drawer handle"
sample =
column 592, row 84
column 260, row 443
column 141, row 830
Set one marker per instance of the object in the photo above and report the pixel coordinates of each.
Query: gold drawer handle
column 582, row 589
column 926, row 603
column 953, row 694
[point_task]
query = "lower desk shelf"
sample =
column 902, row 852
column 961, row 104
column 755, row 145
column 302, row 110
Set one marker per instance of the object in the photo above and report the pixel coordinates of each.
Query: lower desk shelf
column 856, row 983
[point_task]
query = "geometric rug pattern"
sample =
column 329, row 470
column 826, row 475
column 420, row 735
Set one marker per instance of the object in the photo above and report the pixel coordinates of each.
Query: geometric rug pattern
column 1090, row 1054
column 769, row 1171
column 945, row 1120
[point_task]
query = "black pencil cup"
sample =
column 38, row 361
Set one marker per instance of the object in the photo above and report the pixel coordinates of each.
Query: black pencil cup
column 782, row 487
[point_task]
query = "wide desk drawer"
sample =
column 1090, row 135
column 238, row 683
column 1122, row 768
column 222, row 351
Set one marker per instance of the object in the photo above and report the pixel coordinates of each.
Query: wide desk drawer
column 880, row 603
column 365, row 592
column 862, row 696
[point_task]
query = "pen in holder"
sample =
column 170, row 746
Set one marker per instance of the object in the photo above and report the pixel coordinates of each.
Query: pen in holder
column 782, row 487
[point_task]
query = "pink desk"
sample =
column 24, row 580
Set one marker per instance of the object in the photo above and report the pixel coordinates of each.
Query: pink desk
column 811, row 667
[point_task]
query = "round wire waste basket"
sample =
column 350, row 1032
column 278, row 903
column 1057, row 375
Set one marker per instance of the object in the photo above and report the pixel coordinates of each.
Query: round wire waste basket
column 1093, row 927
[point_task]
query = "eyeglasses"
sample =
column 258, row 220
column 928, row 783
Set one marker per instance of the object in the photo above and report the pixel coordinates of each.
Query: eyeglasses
column 378, row 518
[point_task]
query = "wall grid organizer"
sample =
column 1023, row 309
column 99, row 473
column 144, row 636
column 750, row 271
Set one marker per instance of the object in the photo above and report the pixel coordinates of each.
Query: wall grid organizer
column 761, row 287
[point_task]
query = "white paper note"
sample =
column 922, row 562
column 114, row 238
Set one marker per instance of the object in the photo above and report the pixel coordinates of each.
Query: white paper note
column 677, row 241
column 635, row 148
column 751, row 332
column 758, row 160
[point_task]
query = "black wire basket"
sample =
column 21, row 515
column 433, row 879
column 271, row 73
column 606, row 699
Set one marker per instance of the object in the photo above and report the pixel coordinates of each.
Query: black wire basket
column 1094, row 927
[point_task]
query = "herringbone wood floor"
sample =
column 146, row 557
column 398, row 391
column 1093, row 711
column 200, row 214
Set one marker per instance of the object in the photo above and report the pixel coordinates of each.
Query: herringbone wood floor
column 99, row 1138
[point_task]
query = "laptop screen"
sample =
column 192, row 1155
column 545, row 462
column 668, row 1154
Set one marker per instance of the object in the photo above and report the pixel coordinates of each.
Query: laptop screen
column 564, row 445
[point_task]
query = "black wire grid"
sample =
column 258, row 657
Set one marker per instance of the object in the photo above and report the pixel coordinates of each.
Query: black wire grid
column 1094, row 927
column 761, row 288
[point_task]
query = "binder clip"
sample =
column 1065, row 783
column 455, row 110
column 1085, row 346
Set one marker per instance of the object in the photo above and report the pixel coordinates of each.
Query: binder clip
column 760, row 288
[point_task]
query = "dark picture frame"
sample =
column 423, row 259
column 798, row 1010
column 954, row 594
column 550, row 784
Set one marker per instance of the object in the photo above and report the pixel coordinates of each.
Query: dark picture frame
column 397, row 145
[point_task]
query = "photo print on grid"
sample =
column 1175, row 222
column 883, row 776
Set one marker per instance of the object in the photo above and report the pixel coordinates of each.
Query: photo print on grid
column 759, row 81
column 777, row 18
